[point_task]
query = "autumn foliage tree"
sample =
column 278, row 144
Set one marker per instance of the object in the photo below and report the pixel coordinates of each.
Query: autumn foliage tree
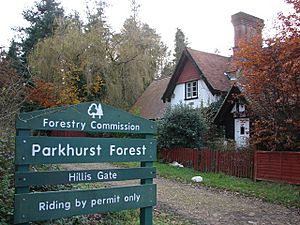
column 12, row 94
column 271, row 83
column 84, row 62
column 67, row 68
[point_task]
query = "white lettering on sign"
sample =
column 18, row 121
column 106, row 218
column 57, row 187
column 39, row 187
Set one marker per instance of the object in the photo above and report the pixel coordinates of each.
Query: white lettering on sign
column 94, row 125
column 79, row 176
column 114, row 126
column 83, row 203
column 67, row 150
column 113, row 150
column 104, row 201
column 80, row 203
column 64, row 124
column 106, row 175
column 45, row 206
column 132, row 198
column 115, row 199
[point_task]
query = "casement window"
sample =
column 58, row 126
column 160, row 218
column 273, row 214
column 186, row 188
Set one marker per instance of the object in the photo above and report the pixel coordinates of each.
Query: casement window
column 191, row 90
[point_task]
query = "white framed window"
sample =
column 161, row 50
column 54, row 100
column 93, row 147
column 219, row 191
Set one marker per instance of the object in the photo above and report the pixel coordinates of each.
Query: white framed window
column 191, row 90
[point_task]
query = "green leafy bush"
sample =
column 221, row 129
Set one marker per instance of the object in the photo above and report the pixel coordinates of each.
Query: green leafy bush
column 215, row 135
column 6, row 199
column 182, row 126
column 6, row 175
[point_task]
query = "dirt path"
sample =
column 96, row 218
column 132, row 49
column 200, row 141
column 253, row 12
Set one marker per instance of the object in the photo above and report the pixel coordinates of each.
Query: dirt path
column 205, row 206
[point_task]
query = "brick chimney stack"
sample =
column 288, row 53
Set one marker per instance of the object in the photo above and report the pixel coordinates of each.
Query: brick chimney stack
column 245, row 27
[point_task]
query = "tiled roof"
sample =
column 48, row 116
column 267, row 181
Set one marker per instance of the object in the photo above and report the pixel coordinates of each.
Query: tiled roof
column 150, row 105
column 213, row 67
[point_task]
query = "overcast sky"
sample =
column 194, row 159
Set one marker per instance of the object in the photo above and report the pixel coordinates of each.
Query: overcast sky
column 206, row 23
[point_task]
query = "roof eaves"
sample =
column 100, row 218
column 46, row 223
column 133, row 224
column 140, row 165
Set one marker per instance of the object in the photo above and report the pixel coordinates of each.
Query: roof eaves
column 174, row 78
column 210, row 87
column 216, row 118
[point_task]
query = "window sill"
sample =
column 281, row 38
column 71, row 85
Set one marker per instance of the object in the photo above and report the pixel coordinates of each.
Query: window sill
column 187, row 99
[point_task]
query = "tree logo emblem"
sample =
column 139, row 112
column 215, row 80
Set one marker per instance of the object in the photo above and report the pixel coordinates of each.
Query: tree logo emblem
column 95, row 110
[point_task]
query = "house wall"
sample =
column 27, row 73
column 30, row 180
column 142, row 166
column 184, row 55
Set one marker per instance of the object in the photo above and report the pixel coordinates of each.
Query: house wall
column 189, row 73
column 205, row 97
column 242, row 131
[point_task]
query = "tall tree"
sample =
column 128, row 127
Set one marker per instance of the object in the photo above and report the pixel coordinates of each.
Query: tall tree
column 135, row 10
column 271, row 81
column 96, row 14
column 13, row 55
column 41, row 18
column 138, row 53
column 69, row 64
column 12, row 94
column 91, row 62
column 181, row 43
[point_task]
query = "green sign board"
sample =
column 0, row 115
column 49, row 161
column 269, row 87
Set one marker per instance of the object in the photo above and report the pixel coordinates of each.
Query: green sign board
column 82, row 176
column 55, row 150
column 91, row 117
column 85, row 117
column 53, row 205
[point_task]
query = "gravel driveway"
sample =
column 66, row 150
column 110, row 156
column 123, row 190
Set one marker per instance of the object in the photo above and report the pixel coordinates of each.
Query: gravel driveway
column 202, row 205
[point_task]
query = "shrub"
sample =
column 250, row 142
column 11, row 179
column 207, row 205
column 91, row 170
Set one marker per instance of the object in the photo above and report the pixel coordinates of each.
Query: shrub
column 6, row 175
column 215, row 135
column 182, row 126
column 12, row 94
column 6, row 200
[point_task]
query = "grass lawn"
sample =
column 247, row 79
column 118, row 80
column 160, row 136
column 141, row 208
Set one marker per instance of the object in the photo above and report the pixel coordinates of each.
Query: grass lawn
column 285, row 194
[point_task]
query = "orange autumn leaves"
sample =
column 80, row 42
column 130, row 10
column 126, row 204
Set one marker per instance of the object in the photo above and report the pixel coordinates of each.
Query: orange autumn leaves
column 47, row 94
column 271, row 83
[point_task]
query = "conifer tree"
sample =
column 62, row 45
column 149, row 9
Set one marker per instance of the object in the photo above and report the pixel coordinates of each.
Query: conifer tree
column 181, row 43
column 41, row 18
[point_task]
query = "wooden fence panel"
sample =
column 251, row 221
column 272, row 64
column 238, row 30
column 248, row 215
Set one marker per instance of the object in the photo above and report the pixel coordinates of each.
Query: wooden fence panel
column 278, row 166
column 186, row 156
column 238, row 164
column 271, row 166
column 71, row 133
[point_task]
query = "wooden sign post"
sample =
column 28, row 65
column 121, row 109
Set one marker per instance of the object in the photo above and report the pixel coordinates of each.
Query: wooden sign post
column 84, row 117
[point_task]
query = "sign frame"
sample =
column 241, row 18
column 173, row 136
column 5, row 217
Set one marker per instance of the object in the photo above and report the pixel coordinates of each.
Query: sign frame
column 85, row 117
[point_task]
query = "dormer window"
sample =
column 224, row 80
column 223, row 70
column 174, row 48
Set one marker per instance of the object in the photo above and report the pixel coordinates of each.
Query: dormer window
column 191, row 90
column 239, row 110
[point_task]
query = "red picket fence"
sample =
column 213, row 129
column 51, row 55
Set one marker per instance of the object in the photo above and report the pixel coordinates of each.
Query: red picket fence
column 62, row 133
column 234, row 163
column 277, row 166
